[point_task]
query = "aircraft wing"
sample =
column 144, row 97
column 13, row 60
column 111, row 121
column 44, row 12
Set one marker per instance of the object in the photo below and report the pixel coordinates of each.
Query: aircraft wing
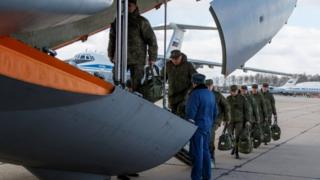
column 53, row 24
column 246, row 26
column 183, row 26
column 211, row 64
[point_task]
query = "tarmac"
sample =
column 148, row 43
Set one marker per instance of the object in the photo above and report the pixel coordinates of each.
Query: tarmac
column 296, row 156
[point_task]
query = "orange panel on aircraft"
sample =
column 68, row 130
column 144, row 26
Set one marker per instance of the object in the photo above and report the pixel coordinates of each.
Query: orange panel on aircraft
column 27, row 64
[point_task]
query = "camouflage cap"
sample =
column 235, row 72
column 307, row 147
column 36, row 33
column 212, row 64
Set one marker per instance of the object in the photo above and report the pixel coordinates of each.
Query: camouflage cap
column 209, row 82
column 233, row 88
column 254, row 86
column 198, row 78
column 175, row 54
column 133, row 1
column 265, row 85
column 244, row 87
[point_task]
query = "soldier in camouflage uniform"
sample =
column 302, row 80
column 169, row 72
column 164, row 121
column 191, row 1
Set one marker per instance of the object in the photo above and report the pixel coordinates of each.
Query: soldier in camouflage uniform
column 223, row 114
column 141, row 39
column 261, row 105
column 262, row 109
column 270, row 103
column 179, row 72
column 240, row 116
column 253, row 108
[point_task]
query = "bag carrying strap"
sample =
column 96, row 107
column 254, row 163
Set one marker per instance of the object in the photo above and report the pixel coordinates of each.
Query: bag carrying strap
column 225, row 128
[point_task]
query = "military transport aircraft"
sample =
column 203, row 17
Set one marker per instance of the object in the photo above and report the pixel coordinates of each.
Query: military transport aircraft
column 48, row 123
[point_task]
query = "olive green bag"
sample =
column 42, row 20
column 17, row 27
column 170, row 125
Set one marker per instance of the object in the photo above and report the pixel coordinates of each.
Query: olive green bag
column 225, row 140
column 256, row 135
column 152, row 90
column 245, row 142
column 266, row 132
column 275, row 131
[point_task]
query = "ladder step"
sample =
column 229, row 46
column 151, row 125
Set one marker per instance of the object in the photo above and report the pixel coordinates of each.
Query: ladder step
column 184, row 156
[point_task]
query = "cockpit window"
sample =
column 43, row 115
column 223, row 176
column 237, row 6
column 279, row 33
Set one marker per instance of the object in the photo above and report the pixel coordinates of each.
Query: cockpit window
column 83, row 58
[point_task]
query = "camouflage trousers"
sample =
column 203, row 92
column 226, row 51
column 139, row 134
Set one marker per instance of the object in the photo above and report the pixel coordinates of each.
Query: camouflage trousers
column 212, row 147
column 178, row 109
column 270, row 119
column 236, row 128
column 136, row 74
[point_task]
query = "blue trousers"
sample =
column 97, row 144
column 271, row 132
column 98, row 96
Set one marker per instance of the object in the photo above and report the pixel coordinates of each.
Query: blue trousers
column 199, row 150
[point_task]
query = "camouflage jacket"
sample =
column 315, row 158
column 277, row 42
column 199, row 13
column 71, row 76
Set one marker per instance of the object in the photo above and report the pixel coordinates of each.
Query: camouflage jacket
column 140, row 39
column 239, row 109
column 223, row 108
column 179, row 80
column 261, row 105
column 254, row 113
column 270, row 103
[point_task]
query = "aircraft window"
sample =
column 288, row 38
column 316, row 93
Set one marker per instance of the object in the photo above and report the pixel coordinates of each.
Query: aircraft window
column 82, row 57
column 87, row 57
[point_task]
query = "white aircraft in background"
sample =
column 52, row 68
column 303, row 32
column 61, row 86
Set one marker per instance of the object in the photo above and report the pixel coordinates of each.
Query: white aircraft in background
column 294, row 88
column 94, row 63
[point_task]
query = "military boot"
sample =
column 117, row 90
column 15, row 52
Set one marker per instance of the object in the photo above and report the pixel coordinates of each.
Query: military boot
column 232, row 151
column 237, row 153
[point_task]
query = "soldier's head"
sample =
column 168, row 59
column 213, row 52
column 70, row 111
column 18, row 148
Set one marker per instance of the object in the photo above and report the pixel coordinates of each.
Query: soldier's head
column 254, row 88
column 198, row 79
column 244, row 89
column 209, row 84
column 265, row 87
column 233, row 90
column 132, row 5
column 176, row 57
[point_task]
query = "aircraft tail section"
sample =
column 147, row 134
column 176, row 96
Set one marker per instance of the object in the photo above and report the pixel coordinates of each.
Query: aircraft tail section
column 291, row 82
column 178, row 34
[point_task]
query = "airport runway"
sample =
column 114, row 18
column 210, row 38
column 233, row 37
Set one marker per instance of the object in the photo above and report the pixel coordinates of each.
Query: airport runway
column 296, row 156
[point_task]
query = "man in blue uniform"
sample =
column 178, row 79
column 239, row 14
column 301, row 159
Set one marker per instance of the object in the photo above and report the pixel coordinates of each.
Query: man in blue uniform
column 201, row 108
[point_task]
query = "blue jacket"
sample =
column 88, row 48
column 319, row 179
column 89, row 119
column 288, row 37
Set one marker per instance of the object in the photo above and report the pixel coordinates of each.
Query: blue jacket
column 201, row 107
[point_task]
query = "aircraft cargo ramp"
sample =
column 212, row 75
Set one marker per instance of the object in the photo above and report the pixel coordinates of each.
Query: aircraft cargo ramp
column 53, row 116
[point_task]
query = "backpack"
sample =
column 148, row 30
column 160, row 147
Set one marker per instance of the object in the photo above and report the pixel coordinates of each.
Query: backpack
column 266, row 132
column 225, row 141
column 245, row 142
column 256, row 136
column 152, row 90
column 275, row 131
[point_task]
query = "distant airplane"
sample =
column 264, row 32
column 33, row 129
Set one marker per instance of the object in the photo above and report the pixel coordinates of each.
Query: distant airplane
column 94, row 63
column 294, row 88
column 62, row 123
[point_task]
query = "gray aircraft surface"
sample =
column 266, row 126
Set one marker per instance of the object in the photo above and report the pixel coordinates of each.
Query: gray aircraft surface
column 62, row 123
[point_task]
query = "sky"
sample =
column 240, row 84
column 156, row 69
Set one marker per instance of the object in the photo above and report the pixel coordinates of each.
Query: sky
column 295, row 49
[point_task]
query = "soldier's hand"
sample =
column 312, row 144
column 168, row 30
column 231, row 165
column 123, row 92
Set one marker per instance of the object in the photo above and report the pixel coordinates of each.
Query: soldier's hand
column 192, row 121
column 248, row 124
column 112, row 60
column 151, row 62
column 275, row 118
